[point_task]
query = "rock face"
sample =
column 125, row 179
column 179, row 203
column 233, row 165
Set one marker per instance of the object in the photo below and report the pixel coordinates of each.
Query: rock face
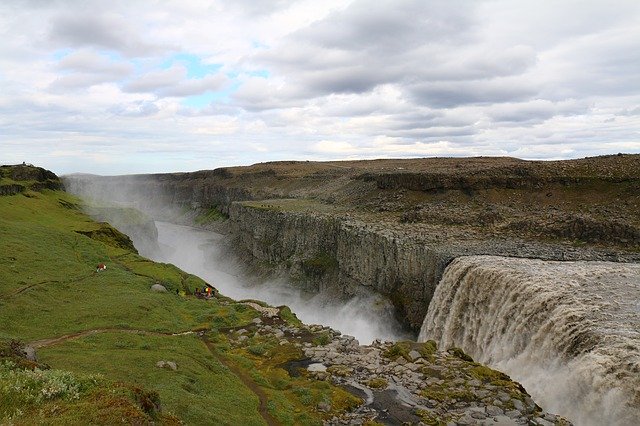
column 341, row 255
column 347, row 255
column 392, row 226
column 18, row 178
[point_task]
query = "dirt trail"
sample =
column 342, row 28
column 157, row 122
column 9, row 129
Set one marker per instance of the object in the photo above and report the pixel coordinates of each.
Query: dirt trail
column 27, row 287
column 246, row 380
column 55, row 340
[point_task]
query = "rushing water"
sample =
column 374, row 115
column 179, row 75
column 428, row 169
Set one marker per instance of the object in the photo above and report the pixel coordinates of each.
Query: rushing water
column 199, row 252
column 568, row 331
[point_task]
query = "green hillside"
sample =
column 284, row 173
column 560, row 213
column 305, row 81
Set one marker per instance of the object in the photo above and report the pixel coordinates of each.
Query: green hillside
column 107, row 345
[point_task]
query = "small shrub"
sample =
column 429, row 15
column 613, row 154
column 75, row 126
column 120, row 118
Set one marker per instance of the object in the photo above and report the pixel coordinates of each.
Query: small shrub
column 258, row 349
column 288, row 316
column 322, row 339
column 377, row 383
column 149, row 401
column 304, row 395
column 398, row 349
column 21, row 388
column 459, row 353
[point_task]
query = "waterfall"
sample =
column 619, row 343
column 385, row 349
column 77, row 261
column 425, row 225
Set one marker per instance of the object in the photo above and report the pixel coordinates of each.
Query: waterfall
column 568, row 331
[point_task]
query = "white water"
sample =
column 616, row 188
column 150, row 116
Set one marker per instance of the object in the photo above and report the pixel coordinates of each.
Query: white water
column 568, row 331
column 199, row 252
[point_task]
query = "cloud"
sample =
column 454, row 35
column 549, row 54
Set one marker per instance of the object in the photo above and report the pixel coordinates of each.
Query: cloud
column 94, row 27
column 223, row 83
column 174, row 82
column 85, row 68
column 136, row 109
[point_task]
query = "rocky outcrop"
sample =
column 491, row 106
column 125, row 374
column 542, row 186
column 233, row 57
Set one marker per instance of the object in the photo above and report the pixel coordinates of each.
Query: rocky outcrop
column 18, row 178
column 11, row 189
column 397, row 382
column 347, row 256
column 110, row 236
column 341, row 255
column 135, row 224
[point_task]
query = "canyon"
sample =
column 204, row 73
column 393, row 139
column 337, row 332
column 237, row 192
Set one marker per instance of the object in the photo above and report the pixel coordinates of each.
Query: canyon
column 397, row 228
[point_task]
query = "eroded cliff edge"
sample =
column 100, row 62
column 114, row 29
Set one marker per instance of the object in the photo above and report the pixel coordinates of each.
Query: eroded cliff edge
column 392, row 226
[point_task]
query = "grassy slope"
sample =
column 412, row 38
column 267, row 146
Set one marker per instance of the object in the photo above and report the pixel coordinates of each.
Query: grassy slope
column 49, row 288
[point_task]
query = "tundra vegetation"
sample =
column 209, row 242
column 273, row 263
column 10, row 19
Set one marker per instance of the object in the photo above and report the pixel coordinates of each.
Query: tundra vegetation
column 105, row 345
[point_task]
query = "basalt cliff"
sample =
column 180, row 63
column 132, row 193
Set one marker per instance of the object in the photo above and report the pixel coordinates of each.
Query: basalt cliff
column 392, row 226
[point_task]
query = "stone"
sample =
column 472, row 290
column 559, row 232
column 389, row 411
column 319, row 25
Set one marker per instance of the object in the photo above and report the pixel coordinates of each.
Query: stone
column 492, row 410
column 257, row 321
column 414, row 355
column 513, row 414
column 413, row 367
column 317, row 368
column 167, row 364
column 478, row 415
column 323, row 407
column 542, row 422
column 158, row 288
column 30, row 353
column 518, row 405
column 501, row 421
column 466, row 420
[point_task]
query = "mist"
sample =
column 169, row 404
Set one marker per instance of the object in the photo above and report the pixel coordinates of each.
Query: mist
column 202, row 253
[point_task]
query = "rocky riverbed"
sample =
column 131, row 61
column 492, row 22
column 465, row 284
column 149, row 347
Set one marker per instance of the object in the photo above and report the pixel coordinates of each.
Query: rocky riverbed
column 398, row 382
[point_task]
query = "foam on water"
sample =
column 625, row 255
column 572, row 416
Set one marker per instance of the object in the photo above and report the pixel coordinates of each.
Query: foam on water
column 568, row 331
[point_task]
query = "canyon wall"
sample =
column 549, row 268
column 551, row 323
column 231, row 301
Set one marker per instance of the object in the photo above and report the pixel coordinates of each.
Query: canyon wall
column 392, row 226
column 342, row 255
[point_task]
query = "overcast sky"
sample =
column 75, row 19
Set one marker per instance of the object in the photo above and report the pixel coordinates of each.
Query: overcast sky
column 137, row 86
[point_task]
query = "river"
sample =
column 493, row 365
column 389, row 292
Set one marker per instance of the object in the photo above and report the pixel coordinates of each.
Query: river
column 200, row 252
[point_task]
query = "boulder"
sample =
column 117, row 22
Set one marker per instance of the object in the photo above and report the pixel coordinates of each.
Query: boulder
column 316, row 367
column 159, row 288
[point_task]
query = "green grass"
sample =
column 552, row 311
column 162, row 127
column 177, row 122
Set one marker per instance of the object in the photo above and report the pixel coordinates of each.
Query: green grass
column 212, row 214
column 49, row 288
column 319, row 264
column 200, row 388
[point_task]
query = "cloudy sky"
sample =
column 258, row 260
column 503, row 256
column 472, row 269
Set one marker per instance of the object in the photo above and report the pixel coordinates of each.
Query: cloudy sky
column 138, row 86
